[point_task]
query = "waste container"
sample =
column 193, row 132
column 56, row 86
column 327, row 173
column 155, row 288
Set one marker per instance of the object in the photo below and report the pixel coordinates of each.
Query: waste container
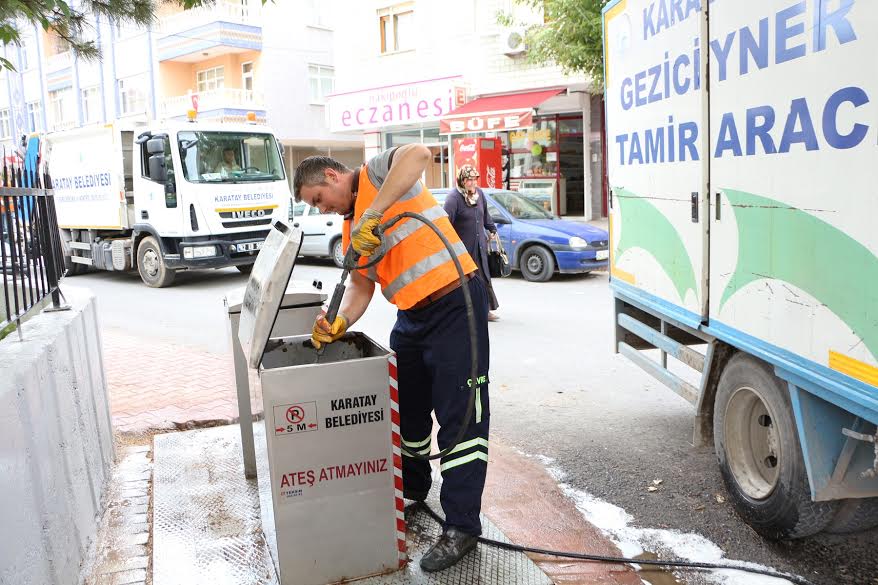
column 332, row 436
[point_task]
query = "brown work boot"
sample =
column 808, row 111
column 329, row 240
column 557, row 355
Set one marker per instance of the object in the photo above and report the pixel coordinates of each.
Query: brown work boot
column 450, row 548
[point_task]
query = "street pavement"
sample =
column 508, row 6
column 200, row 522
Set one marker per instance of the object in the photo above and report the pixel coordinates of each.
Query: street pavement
column 604, row 429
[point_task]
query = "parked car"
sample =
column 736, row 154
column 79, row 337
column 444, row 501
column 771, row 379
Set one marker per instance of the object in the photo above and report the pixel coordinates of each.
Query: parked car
column 539, row 243
column 321, row 232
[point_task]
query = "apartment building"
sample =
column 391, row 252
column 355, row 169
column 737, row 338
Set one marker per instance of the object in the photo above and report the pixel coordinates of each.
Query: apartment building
column 432, row 72
column 224, row 60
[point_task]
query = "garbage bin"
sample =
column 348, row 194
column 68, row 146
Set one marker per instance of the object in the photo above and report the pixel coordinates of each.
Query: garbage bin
column 332, row 436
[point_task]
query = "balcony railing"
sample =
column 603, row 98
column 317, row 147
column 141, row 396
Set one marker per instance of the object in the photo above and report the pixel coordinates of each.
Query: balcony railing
column 216, row 99
column 58, row 61
column 224, row 10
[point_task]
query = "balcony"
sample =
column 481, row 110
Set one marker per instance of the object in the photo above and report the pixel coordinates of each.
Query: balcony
column 225, row 105
column 224, row 27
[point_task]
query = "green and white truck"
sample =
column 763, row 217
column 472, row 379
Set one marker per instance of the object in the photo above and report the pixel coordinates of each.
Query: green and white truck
column 742, row 140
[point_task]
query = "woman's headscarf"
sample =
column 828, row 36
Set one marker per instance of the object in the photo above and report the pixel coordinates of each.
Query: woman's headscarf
column 463, row 173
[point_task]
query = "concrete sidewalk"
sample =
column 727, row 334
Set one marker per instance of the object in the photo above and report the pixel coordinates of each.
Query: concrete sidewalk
column 161, row 386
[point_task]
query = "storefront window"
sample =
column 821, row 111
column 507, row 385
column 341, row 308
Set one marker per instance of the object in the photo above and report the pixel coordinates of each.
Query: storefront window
column 570, row 126
column 392, row 139
column 534, row 151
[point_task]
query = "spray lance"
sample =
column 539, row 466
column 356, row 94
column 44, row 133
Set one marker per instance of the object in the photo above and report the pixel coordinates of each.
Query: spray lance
column 351, row 261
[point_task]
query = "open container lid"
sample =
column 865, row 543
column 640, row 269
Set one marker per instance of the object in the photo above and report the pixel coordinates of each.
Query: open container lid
column 265, row 289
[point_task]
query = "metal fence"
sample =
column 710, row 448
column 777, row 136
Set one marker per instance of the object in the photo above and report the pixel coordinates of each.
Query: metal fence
column 31, row 260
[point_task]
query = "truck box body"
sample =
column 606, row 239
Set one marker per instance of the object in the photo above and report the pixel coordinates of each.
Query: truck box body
column 743, row 166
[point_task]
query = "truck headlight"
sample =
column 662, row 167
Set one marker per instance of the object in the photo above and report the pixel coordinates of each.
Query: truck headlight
column 190, row 252
column 578, row 243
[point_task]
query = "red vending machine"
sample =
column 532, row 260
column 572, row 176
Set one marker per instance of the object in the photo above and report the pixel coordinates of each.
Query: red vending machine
column 485, row 154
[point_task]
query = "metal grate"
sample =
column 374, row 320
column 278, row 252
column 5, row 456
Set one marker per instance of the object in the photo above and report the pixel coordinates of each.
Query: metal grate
column 207, row 530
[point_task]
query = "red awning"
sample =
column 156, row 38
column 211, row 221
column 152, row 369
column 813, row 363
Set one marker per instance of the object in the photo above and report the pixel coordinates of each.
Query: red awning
column 501, row 112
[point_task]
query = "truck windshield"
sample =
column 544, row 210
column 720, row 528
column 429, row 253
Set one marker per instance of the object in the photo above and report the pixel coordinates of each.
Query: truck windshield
column 229, row 157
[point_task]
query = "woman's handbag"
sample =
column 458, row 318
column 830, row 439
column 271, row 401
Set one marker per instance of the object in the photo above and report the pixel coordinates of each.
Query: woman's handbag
column 498, row 261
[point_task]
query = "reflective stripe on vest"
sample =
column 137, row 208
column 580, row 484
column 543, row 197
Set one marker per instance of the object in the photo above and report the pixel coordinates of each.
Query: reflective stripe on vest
column 416, row 263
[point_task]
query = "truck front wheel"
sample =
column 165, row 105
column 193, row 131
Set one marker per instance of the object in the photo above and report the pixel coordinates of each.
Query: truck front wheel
column 151, row 264
column 759, row 454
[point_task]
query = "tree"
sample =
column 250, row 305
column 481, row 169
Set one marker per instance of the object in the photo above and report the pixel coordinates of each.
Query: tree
column 71, row 23
column 571, row 36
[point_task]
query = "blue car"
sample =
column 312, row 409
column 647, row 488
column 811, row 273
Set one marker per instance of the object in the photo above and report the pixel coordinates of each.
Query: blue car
column 537, row 242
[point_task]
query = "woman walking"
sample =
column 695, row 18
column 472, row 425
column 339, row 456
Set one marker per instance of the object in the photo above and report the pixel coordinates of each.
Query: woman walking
column 468, row 212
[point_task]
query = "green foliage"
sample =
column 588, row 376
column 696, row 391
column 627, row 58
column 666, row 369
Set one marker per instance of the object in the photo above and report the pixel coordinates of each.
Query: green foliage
column 571, row 36
column 74, row 25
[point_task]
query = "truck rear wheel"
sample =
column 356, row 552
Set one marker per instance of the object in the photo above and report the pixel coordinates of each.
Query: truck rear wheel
column 151, row 264
column 759, row 454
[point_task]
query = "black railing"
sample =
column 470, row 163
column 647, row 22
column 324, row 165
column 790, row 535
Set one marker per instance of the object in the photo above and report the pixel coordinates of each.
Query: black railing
column 31, row 260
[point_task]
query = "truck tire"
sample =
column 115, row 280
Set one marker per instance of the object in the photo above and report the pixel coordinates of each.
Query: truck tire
column 537, row 264
column 854, row 515
column 759, row 454
column 337, row 252
column 151, row 264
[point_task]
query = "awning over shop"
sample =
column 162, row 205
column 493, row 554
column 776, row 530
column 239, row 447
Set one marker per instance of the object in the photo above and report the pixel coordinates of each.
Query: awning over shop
column 495, row 113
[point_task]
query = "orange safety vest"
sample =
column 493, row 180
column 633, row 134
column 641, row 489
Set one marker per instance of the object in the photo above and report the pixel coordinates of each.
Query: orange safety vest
column 416, row 264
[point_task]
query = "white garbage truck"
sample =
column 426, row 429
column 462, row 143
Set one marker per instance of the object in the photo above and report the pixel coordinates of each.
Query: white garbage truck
column 743, row 172
column 167, row 196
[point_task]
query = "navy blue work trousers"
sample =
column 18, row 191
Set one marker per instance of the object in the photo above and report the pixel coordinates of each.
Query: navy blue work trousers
column 432, row 346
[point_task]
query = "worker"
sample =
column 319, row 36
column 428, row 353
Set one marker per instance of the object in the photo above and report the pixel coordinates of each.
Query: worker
column 228, row 164
column 431, row 336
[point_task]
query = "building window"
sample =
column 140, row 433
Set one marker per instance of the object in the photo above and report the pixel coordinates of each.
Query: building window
column 5, row 128
column 210, row 79
column 34, row 116
column 61, row 105
column 90, row 105
column 247, row 76
column 322, row 82
column 132, row 97
column 396, row 25
column 318, row 13
column 24, row 59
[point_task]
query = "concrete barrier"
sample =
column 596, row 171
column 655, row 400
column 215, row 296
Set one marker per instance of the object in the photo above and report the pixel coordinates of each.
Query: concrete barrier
column 56, row 444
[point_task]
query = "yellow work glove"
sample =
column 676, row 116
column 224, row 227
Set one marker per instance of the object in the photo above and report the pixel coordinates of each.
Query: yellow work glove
column 363, row 238
column 323, row 332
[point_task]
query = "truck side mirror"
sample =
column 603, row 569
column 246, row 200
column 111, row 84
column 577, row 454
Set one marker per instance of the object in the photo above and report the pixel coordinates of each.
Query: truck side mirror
column 157, row 170
column 155, row 146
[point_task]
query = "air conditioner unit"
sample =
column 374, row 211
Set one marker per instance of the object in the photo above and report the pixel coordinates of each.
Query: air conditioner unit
column 513, row 41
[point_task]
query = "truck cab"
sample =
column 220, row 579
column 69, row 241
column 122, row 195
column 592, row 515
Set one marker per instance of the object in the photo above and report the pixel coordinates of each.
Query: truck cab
column 204, row 196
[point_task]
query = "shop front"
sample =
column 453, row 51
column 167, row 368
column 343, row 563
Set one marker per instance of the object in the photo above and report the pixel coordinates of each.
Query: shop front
column 553, row 158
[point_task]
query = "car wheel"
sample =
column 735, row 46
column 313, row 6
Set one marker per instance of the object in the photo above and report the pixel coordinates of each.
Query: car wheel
column 151, row 265
column 337, row 252
column 759, row 454
column 537, row 264
column 244, row 268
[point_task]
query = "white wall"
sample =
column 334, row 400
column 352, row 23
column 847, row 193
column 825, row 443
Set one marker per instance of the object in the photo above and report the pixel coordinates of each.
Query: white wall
column 454, row 37
column 56, row 444
column 291, row 40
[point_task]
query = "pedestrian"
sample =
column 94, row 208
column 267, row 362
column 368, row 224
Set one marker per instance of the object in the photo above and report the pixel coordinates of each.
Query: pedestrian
column 468, row 211
column 431, row 334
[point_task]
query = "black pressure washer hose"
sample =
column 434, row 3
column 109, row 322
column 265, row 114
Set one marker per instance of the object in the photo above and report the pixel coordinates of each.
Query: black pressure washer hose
column 350, row 263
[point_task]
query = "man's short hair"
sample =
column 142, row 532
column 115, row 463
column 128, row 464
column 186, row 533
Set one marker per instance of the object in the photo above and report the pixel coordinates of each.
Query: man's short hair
column 312, row 171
